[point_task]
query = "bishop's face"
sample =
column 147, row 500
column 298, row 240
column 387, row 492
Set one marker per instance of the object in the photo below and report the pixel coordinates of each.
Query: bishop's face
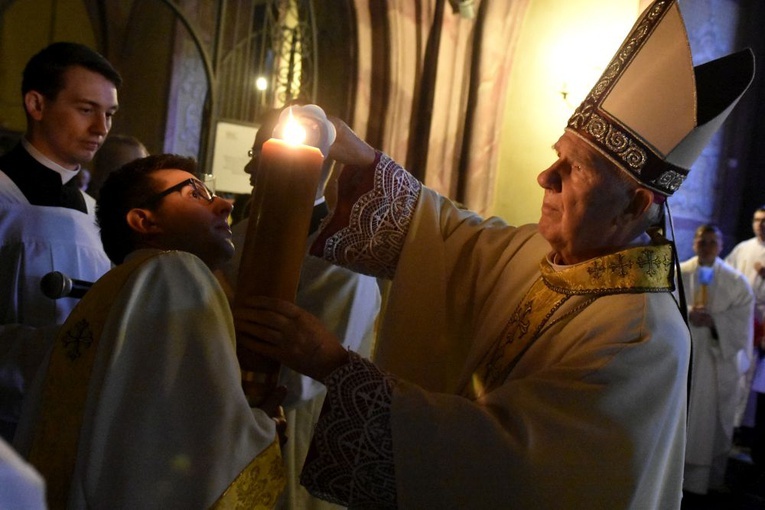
column 583, row 200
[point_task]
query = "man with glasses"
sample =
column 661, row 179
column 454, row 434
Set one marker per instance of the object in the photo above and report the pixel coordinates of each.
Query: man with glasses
column 720, row 312
column 152, row 413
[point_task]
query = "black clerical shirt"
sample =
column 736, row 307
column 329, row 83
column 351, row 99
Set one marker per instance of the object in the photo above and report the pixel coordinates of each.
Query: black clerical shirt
column 39, row 184
column 320, row 211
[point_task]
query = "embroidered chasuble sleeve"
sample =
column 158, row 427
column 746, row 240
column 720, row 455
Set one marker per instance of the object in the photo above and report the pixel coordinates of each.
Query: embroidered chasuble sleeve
column 366, row 229
column 166, row 424
column 352, row 459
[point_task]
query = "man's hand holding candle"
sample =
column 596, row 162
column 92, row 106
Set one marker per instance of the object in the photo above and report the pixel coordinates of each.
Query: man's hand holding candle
column 285, row 332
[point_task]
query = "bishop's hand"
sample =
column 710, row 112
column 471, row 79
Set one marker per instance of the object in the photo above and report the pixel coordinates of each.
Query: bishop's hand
column 348, row 148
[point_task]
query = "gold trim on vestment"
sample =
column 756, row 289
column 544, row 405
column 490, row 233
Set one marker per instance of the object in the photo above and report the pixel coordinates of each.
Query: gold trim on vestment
column 634, row 270
column 259, row 485
column 65, row 391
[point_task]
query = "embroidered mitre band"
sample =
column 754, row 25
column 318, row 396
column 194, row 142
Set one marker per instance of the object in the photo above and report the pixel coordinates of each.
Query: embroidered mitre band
column 651, row 112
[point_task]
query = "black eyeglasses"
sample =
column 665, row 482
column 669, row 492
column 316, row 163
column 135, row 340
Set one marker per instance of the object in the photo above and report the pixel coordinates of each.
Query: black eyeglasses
column 199, row 191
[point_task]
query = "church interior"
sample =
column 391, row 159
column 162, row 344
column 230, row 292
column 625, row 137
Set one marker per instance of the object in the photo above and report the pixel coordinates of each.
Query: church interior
column 469, row 95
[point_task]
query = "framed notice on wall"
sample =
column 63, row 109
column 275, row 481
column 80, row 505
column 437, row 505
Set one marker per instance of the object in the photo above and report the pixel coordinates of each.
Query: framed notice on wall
column 232, row 141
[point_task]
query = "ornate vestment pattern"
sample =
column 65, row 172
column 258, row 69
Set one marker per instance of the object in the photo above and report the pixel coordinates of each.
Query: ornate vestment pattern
column 634, row 270
column 378, row 223
column 610, row 136
column 352, row 461
column 355, row 457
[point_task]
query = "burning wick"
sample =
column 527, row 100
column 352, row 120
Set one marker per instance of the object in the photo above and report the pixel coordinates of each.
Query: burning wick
column 293, row 132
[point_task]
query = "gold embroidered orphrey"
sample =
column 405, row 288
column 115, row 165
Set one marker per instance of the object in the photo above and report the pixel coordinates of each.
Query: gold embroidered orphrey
column 609, row 135
column 56, row 437
column 259, row 485
column 54, row 445
column 634, row 270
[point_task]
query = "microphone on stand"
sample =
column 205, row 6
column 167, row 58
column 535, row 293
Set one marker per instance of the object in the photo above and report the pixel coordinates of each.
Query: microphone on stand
column 57, row 285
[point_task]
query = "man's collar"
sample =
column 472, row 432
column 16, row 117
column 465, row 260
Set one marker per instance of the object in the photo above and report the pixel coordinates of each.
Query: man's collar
column 556, row 262
column 66, row 174
column 639, row 268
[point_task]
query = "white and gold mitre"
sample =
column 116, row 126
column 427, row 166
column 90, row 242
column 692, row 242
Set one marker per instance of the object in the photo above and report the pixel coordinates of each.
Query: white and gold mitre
column 652, row 112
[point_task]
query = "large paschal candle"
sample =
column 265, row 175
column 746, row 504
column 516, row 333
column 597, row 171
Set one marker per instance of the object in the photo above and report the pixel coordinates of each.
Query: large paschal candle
column 282, row 202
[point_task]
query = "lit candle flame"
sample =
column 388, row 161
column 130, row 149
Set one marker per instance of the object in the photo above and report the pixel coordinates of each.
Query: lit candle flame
column 293, row 132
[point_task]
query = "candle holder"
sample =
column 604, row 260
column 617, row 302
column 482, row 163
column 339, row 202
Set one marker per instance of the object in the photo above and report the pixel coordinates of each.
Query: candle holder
column 705, row 274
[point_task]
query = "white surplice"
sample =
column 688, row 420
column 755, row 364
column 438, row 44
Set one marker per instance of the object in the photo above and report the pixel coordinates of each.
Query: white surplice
column 745, row 257
column 35, row 240
column 21, row 487
column 166, row 423
column 717, row 366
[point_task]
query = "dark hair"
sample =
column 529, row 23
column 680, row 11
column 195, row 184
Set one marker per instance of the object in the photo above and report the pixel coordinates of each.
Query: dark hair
column 117, row 140
column 268, row 122
column 125, row 189
column 45, row 70
column 116, row 151
column 708, row 227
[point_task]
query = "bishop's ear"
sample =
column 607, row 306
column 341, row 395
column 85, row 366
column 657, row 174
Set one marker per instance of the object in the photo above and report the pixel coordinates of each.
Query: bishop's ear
column 641, row 201
column 142, row 221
